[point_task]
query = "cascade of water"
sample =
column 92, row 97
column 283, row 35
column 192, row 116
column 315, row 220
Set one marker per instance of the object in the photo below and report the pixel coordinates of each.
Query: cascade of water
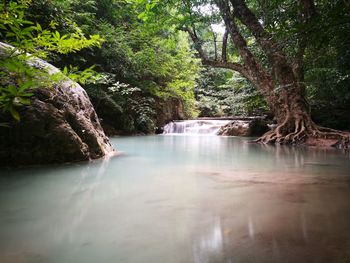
column 191, row 127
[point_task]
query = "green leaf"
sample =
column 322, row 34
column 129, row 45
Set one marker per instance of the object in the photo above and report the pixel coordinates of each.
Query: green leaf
column 15, row 114
column 4, row 125
column 12, row 90
column 38, row 27
column 24, row 101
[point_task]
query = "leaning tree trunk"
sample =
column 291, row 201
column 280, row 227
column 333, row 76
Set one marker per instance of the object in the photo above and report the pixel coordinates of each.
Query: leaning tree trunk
column 284, row 92
column 282, row 88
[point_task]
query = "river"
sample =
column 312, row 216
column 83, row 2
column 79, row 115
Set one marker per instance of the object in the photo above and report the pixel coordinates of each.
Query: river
column 181, row 199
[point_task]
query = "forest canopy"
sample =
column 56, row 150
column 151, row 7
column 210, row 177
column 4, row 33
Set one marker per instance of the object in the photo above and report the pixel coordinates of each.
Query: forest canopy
column 209, row 58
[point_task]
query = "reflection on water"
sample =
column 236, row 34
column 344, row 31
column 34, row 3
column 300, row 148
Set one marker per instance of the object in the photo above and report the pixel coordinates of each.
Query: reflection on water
column 209, row 246
column 181, row 199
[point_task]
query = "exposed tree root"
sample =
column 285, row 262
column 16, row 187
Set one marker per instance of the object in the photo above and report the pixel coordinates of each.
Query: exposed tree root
column 302, row 130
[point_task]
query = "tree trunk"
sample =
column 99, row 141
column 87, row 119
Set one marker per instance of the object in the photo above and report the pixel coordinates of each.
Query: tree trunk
column 282, row 86
column 282, row 89
column 295, row 126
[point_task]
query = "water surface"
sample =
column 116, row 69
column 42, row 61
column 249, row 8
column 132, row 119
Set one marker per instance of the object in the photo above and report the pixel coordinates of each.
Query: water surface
column 181, row 199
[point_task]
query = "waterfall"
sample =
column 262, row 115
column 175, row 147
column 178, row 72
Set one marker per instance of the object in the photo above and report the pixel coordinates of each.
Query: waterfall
column 195, row 127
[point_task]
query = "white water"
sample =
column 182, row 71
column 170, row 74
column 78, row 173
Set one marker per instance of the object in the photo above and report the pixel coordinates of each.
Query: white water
column 195, row 127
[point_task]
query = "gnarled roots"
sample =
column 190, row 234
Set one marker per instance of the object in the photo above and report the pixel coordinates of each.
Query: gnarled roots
column 303, row 130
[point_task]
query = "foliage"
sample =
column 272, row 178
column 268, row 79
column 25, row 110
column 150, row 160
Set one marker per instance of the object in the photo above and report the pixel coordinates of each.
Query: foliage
column 222, row 93
column 18, row 74
column 326, row 60
column 327, row 65
column 136, row 51
column 131, row 101
column 16, row 79
column 317, row 28
column 145, row 55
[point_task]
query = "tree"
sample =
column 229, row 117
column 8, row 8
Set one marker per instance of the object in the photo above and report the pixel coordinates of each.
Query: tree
column 221, row 92
column 140, row 63
column 279, row 77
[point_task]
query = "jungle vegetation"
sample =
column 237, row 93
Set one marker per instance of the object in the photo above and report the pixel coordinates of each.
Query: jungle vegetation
column 289, row 59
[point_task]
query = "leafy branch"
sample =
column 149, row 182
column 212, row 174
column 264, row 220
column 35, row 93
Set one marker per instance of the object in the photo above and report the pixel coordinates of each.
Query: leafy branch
column 18, row 76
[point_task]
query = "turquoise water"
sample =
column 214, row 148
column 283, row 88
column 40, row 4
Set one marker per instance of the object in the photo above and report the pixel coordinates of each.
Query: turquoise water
column 181, row 199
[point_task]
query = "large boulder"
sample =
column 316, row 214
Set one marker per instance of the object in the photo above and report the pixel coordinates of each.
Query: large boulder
column 245, row 128
column 60, row 125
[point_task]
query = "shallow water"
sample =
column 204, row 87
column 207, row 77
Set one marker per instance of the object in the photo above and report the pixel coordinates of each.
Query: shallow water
column 181, row 199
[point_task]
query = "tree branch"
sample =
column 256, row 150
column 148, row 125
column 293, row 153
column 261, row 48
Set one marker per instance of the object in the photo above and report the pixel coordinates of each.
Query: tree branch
column 225, row 64
column 197, row 42
column 214, row 63
column 282, row 71
column 224, row 46
column 257, row 74
column 215, row 45
column 243, row 13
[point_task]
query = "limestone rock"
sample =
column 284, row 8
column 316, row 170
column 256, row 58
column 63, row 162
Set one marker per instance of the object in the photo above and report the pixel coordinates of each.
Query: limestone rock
column 60, row 125
column 245, row 128
column 168, row 109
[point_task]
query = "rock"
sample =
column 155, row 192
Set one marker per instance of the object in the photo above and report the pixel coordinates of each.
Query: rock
column 168, row 110
column 159, row 130
column 60, row 125
column 247, row 128
column 120, row 121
